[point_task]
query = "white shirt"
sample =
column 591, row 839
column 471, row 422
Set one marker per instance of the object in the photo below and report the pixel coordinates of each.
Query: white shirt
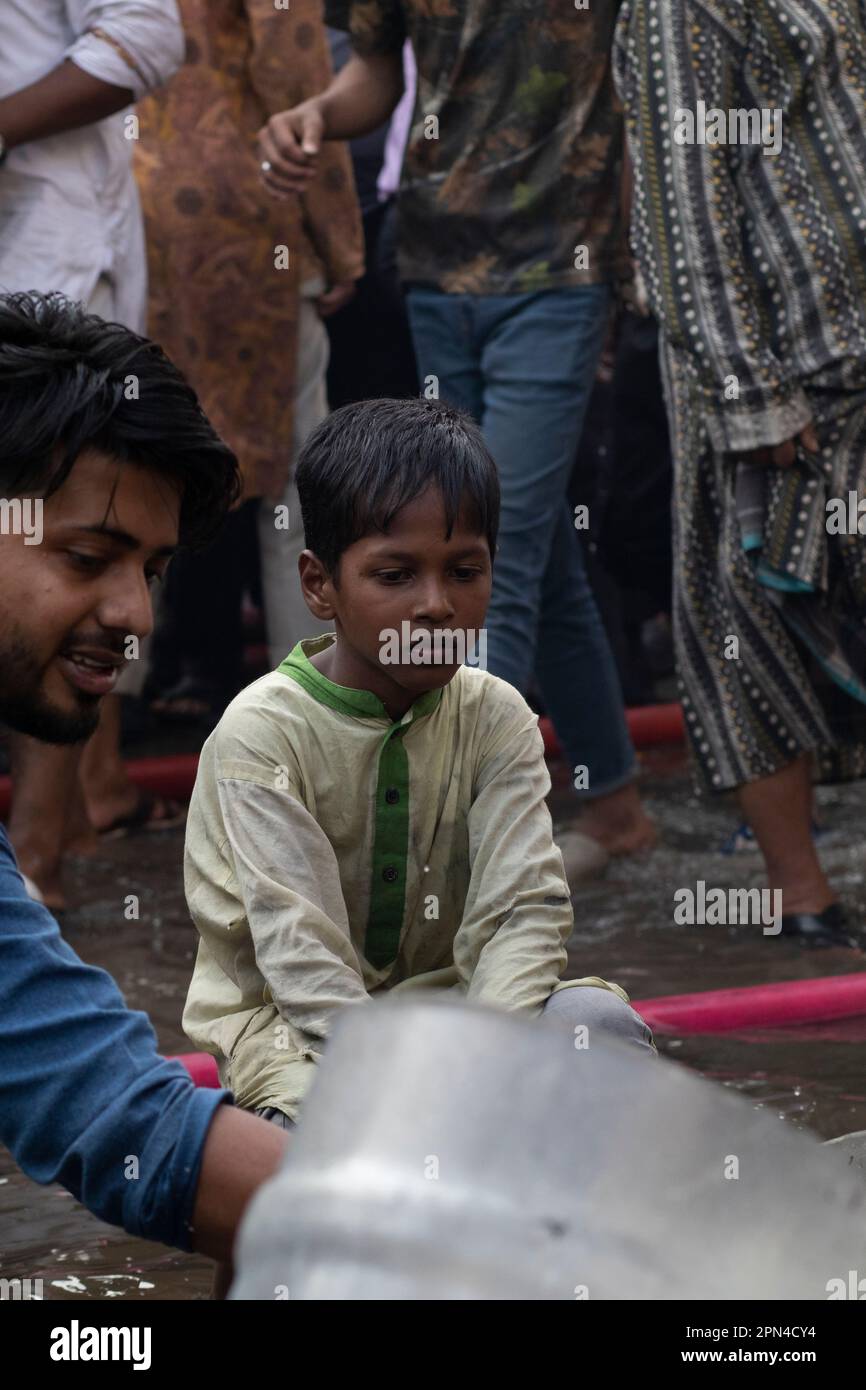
column 69, row 209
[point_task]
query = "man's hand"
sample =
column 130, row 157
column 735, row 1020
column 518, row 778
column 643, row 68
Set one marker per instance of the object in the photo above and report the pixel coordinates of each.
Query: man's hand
column 783, row 455
column 289, row 146
column 335, row 298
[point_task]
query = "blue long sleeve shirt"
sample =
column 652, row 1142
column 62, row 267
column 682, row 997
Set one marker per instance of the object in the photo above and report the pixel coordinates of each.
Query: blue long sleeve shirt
column 83, row 1090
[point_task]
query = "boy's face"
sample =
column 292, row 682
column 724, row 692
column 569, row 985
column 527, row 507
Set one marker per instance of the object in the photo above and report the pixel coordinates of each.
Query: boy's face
column 68, row 602
column 411, row 575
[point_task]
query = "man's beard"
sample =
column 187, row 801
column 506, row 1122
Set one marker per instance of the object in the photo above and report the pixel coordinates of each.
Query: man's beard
column 23, row 707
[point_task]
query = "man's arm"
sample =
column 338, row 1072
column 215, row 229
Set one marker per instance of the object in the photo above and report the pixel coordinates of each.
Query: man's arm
column 360, row 98
column 125, row 49
column 87, row 1101
column 240, row 1152
column 63, row 100
column 510, row 948
column 329, row 206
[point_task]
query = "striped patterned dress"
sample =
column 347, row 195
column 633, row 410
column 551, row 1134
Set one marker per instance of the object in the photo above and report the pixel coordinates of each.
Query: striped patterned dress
column 747, row 129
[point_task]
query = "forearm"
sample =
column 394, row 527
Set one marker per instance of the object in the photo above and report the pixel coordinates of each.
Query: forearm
column 64, row 99
column 241, row 1151
column 362, row 96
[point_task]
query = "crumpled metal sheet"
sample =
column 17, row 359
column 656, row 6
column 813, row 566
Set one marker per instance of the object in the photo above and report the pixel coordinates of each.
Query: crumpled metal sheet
column 450, row 1152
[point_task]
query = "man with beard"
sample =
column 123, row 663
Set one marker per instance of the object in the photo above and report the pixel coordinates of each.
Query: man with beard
column 107, row 463
column 70, row 220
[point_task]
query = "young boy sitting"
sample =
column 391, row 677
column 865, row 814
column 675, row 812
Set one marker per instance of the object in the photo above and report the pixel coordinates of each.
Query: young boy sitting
column 372, row 814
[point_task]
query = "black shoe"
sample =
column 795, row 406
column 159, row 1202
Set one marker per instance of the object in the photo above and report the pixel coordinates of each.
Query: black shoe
column 827, row 928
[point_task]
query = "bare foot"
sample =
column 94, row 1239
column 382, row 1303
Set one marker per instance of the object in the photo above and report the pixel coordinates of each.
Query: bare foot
column 109, row 807
column 809, row 896
column 83, row 844
column 44, row 869
column 135, row 809
column 619, row 823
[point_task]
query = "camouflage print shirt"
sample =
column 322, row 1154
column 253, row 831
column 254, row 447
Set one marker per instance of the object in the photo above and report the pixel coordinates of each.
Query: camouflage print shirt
column 512, row 172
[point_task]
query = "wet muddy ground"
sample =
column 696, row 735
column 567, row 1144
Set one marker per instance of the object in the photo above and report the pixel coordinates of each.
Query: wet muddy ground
column 814, row 1077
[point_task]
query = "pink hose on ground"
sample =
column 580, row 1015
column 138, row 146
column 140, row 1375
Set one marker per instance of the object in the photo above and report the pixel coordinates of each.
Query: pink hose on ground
column 201, row 1067
column 716, row 1011
column 169, row 776
column 758, row 1006
column 174, row 776
column 648, row 725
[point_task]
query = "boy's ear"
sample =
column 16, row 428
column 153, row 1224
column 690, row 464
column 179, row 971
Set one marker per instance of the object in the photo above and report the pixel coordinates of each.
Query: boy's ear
column 316, row 586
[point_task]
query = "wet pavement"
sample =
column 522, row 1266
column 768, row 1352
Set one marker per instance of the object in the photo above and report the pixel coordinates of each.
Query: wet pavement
column 814, row 1077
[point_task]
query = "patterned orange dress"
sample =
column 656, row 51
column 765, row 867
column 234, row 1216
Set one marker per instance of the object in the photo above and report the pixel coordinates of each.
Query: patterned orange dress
column 225, row 260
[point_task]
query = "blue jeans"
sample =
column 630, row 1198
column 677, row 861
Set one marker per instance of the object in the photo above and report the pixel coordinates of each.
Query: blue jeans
column 524, row 365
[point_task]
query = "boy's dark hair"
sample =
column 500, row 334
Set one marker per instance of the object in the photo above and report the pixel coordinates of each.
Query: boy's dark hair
column 64, row 381
column 366, row 461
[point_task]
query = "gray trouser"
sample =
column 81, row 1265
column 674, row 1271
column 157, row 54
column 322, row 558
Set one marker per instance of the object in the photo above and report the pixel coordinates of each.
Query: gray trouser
column 275, row 1116
column 590, row 1012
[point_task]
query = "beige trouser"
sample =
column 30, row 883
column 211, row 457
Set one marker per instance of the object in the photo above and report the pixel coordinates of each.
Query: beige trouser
column 287, row 616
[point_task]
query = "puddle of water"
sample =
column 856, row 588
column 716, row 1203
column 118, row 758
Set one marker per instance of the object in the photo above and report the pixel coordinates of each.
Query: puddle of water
column 813, row 1077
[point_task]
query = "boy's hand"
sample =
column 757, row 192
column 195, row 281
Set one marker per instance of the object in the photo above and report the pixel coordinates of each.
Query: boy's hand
column 335, row 298
column 288, row 147
column 783, row 455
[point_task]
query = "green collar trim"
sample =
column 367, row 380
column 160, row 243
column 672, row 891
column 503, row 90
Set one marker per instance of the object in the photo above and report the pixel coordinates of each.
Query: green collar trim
column 361, row 704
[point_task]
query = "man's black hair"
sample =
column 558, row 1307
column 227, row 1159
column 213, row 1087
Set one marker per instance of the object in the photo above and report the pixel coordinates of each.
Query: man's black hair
column 366, row 461
column 70, row 381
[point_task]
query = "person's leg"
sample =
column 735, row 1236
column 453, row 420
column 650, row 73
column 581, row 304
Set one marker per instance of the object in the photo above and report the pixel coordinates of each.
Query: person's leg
column 371, row 345
column 447, row 347
column 44, row 780
column 286, row 614
column 779, row 810
column 572, row 638
column 539, row 360
column 206, row 596
column 590, row 1013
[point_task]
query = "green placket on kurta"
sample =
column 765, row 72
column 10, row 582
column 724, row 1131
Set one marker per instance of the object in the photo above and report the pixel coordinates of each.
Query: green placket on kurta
column 390, row 851
column 391, row 805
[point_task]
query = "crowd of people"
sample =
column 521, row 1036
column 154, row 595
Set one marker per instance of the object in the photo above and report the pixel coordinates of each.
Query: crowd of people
column 387, row 315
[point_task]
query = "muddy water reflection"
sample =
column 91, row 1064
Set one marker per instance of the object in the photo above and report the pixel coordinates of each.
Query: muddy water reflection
column 814, row 1077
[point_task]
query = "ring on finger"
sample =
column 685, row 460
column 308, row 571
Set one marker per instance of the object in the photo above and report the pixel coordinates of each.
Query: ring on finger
column 266, row 166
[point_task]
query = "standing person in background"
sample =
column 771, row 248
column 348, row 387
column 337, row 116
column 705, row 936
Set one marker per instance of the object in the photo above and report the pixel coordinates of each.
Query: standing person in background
column 240, row 283
column 70, row 220
column 751, row 236
column 372, row 354
column 510, row 240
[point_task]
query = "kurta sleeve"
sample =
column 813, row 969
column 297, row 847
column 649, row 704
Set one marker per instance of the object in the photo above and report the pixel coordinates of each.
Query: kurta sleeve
column 289, row 883
column 688, row 215
column 290, row 62
column 509, row 950
column 128, row 43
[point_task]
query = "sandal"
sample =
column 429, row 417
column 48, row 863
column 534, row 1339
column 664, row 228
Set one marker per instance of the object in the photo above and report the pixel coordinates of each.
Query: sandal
column 827, row 928
column 191, row 702
column 149, row 813
column 743, row 839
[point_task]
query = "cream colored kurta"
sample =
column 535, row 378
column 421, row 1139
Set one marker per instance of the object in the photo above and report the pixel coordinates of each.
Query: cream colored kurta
column 332, row 853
